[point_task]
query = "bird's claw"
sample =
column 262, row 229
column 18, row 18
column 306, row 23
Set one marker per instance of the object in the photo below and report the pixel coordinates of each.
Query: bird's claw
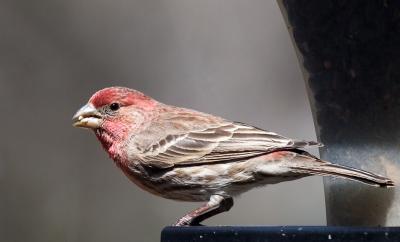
column 186, row 221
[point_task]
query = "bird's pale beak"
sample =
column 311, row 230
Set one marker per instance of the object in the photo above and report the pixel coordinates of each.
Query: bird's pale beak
column 87, row 117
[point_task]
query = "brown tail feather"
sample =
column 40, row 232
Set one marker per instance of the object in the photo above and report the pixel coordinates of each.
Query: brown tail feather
column 329, row 169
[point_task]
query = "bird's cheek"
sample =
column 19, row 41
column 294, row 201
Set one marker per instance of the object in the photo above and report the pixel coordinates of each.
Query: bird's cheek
column 115, row 128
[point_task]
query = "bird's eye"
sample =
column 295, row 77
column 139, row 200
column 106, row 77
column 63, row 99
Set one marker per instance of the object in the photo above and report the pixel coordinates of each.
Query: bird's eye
column 114, row 106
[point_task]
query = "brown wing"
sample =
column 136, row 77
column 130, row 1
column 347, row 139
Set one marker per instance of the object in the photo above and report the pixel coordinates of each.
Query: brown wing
column 227, row 142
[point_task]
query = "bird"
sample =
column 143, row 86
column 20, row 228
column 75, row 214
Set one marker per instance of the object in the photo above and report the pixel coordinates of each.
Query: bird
column 186, row 155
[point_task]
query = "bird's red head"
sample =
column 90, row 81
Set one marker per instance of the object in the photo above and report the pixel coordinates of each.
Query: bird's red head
column 122, row 96
column 114, row 113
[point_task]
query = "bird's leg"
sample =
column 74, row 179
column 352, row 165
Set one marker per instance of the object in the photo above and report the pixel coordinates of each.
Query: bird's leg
column 217, row 204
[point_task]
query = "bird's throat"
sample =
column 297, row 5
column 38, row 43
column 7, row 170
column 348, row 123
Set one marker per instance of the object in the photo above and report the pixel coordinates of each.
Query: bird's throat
column 110, row 143
column 105, row 138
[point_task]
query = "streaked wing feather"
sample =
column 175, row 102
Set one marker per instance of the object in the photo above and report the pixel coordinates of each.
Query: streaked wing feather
column 226, row 143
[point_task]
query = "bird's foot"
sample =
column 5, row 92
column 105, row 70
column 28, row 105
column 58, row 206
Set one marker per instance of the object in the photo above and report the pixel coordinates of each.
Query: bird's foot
column 187, row 221
column 184, row 221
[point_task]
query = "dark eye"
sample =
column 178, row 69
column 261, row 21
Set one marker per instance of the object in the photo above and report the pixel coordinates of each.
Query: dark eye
column 114, row 106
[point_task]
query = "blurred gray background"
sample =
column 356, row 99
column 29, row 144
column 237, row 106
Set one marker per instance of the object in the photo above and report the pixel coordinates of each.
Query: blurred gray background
column 232, row 58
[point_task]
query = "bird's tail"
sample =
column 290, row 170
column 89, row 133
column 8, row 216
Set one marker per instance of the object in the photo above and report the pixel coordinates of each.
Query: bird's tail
column 324, row 168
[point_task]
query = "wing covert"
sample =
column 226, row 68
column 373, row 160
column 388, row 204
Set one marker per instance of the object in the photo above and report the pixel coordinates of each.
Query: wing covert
column 228, row 142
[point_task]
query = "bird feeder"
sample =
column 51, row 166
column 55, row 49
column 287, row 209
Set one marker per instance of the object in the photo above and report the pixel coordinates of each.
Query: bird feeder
column 350, row 56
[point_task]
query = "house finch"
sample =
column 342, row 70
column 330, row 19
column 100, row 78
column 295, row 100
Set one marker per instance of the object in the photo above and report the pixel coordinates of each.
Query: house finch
column 186, row 155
